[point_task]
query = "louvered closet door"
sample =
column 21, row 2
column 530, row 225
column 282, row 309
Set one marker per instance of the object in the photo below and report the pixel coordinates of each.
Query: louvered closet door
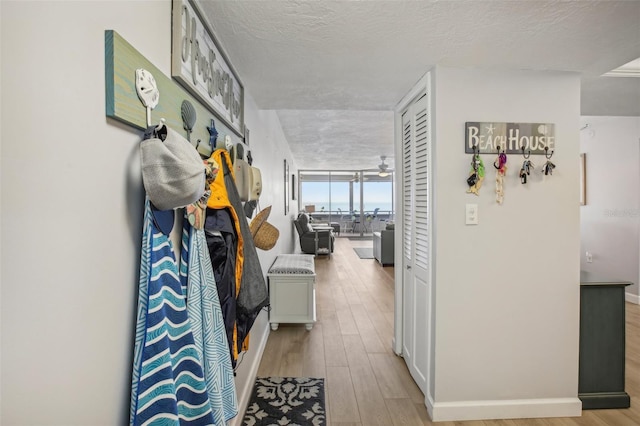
column 416, row 240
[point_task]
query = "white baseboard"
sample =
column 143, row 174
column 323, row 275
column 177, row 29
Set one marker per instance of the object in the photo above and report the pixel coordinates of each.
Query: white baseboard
column 428, row 401
column 505, row 409
column 632, row 298
column 244, row 390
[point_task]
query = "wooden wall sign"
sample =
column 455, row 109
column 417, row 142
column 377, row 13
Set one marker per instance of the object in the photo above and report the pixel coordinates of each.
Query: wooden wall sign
column 201, row 66
column 488, row 137
column 122, row 102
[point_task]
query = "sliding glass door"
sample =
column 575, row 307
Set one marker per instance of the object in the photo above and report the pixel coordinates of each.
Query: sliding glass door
column 378, row 200
column 360, row 201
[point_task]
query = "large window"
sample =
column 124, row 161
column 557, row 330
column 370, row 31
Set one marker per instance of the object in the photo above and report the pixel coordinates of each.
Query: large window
column 361, row 201
column 378, row 193
column 315, row 192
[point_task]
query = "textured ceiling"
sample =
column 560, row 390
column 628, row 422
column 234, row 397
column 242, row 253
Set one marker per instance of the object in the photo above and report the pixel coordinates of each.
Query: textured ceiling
column 335, row 69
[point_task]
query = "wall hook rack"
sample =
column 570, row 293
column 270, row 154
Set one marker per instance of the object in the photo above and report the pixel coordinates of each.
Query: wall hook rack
column 131, row 79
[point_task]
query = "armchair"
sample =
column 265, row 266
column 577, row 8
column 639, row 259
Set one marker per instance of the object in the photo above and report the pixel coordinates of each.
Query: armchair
column 308, row 236
column 383, row 245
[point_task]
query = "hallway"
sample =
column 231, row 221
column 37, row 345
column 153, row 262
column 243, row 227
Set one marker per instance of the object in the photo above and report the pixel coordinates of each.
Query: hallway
column 366, row 383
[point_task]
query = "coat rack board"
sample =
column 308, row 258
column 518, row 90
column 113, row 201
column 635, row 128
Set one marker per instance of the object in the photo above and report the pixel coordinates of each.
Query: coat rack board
column 123, row 104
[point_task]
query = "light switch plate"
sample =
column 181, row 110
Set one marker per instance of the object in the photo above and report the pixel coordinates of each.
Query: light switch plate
column 471, row 214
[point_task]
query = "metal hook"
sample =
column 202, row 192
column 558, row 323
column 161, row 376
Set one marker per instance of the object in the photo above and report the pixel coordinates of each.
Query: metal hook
column 526, row 156
column 160, row 131
column 475, row 158
column 546, row 148
column 501, row 160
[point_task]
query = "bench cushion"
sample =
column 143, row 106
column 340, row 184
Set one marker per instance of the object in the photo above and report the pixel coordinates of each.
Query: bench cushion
column 293, row 264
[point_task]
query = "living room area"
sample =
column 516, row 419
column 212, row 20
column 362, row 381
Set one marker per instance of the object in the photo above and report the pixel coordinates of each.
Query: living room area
column 318, row 238
column 355, row 205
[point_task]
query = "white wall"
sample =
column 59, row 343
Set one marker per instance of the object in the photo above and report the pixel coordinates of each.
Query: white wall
column 610, row 220
column 506, row 290
column 269, row 148
column 72, row 204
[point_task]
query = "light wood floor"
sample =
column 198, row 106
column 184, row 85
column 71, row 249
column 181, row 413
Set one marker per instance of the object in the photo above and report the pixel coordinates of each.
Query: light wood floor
column 366, row 384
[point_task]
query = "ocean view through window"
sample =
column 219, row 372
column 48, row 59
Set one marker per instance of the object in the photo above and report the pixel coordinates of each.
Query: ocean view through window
column 356, row 196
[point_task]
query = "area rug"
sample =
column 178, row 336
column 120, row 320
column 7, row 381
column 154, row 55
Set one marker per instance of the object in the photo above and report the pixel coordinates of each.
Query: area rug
column 287, row 401
column 364, row 252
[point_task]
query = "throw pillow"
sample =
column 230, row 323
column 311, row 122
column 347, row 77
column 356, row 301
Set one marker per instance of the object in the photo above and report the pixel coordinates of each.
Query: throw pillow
column 303, row 220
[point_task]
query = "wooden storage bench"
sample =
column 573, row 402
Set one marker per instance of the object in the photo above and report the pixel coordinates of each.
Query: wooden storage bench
column 292, row 291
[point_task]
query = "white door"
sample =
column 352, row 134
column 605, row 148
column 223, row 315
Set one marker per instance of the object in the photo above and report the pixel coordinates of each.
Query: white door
column 416, row 241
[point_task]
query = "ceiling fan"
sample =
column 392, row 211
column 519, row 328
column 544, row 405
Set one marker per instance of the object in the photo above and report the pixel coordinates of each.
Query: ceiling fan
column 383, row 168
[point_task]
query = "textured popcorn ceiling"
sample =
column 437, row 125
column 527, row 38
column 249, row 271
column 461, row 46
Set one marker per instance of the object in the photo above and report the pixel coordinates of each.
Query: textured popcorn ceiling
column 334, row 70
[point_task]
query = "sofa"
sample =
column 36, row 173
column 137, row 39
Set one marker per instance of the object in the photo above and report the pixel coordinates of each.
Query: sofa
column 307, row 236
column 383, row 246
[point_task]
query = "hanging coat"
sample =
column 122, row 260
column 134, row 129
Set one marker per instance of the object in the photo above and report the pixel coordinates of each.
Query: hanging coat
column 253, row 294
column 222, row 245
column 168, row 385
column 196, row 274
column 251, row 290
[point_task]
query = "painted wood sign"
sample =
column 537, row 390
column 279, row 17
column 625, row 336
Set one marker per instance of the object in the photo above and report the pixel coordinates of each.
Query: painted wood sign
column 122, row 102
column 200, row 64
column 489, row 138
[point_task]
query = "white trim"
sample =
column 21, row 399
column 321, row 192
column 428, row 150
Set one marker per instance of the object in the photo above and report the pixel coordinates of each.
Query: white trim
column 622, row 73
column 418, row 89
column 422, row 86
column 428, row 401
column 393, row 347
column 243, row 398
column 632, row 298
column 398, row 253
column 505, row 409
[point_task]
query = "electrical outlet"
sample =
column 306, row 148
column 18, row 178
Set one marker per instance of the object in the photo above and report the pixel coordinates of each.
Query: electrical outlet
column 589, row 257
column 471, row 211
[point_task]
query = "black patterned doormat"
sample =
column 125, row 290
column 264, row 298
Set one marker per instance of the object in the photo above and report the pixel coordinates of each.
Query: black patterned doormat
column 287, row 401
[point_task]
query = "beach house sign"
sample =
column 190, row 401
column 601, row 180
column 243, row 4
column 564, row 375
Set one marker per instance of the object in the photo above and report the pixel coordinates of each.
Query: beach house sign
column 200, row 64
column 489, row 137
